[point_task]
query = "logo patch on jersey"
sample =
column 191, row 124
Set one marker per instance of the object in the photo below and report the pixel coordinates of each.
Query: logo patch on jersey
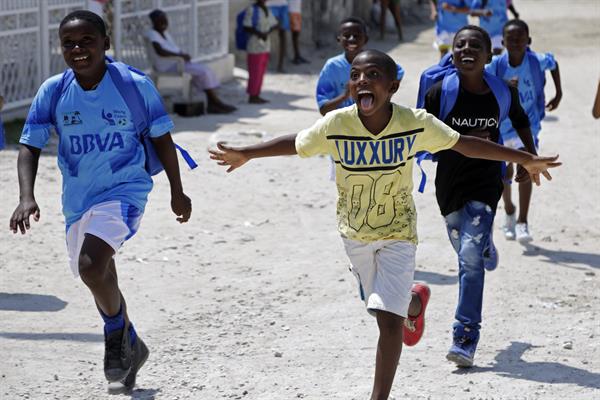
column 365, row 154
column 72, row 118
column 94, row 142
column 115, row 117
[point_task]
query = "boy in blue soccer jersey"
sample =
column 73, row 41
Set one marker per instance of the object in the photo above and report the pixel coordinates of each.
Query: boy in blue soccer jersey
column 332, row 86
column 449, row 17
column 493, row 20
column 105, row 182
column 373, row 143
column 525, row 69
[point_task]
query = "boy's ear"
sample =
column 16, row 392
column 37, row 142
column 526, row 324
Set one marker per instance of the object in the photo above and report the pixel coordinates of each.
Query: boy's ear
column 106, row 43
column 529, row 41
column 394, row 86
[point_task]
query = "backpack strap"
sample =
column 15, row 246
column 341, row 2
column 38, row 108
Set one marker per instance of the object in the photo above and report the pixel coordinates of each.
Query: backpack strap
column 502, row 93
column 450, row 87
column 501, row 65
column 539, row 81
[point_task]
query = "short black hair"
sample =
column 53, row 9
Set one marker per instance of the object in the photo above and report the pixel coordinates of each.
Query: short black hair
column 382, row 60
column 486, row 36
column 354, row 20
column 516, row 22
column 87, row 16
column 156, row 13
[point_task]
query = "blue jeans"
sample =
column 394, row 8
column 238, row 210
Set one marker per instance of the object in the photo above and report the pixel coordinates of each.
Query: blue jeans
column 470, row 232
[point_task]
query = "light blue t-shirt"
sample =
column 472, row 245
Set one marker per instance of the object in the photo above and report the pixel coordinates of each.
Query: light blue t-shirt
column 334, row 77
column 449, row 21
column 527, row 90
column 494, row 24
column 100, row 155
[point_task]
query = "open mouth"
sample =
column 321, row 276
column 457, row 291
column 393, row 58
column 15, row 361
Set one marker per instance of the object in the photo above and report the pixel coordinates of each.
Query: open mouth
column 366, row 100
column 467, row 60
column 351, row 47
column 81, row 58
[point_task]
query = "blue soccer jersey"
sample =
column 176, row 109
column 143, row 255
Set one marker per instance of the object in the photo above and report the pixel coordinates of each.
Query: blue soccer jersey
column 100, row 155
column 495, row 23
column 333, row 80
column 527, row 90
column 448, row 21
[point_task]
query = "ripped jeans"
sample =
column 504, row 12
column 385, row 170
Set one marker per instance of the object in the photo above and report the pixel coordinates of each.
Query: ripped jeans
column 470, row 232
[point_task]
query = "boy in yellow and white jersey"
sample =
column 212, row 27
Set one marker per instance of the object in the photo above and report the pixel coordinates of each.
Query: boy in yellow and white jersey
column 373, row 144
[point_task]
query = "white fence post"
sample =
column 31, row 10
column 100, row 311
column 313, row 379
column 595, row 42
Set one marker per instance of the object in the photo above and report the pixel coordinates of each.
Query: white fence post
column 44, row 70
column 194, row 29
column 117, row 28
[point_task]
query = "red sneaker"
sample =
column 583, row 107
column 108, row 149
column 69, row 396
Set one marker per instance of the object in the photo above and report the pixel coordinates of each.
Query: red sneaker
column 414, row 326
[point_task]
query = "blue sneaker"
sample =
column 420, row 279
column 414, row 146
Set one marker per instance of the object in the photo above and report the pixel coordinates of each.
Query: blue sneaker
column 462, row 351
column 490, row 255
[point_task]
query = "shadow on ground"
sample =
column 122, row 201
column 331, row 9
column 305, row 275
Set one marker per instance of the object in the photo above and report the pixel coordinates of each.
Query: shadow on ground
column 434, row 278
column 562, row 257
column 73, row 337
column 509, row 364
column 30, row 302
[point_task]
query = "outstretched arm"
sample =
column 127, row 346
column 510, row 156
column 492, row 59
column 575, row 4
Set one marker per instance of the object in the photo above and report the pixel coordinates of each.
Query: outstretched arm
column 180, row 203
column 235, row 157
column 553, row 104
column 513, row 10
column 27, row 165
column 479, row 148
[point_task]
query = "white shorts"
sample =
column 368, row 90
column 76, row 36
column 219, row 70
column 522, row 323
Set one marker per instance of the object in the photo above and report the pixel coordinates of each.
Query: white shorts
column 497, row 42
column 113, row 221
column 385, row 271
column 443, row 40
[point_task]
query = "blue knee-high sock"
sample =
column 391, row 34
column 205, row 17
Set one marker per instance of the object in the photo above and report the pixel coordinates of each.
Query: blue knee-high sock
column 113, row 323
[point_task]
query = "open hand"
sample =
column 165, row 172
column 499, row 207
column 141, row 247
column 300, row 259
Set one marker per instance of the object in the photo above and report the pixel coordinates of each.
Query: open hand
column 181, row 206
column 540, row 165
column 20, row 217
column 227, row 155
column 553, row 104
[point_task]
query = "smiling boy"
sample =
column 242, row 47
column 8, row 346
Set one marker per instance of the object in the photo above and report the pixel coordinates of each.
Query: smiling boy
column 373, row 143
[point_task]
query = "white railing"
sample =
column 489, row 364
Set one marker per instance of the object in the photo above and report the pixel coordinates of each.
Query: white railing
column 30, row 49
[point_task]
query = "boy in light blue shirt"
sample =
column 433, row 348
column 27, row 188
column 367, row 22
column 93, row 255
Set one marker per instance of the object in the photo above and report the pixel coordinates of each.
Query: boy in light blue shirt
column 525, row 69
column 493, row 20
column 332, row 86
column 105, row 182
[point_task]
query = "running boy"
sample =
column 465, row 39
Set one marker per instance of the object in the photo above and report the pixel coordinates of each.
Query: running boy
column 468, row 189
column 373, row 143
column 526, row 69
column 332, row 86
column 449, row 17
column 105, row 183
column 493, row 21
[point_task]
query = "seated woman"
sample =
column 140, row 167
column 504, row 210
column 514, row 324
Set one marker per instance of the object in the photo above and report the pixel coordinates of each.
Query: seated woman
column 203, row 78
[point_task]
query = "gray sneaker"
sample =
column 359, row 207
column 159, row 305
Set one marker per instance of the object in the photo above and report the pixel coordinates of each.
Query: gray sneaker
column 522, row 233
column 510, row 221
column 117, row 355
column 140, row 355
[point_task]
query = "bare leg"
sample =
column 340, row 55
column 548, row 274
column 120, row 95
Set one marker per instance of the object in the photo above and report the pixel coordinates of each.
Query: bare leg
column 389, row 348
column 282, row 50
column 296, row 45
column 525, row 190
column 509, row 206
column 215, row 104
column 384, row 7
column 395, row 9
column 95, row 271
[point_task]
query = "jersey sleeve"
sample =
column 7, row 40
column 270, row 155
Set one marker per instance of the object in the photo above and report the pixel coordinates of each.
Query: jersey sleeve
column 326, row 89
column 248, row 18
column 37, row 128
column 547, row 61
column 436, row 135
column 313, row 141
column 160, row 123
column 518, row 117
column 400, row 73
